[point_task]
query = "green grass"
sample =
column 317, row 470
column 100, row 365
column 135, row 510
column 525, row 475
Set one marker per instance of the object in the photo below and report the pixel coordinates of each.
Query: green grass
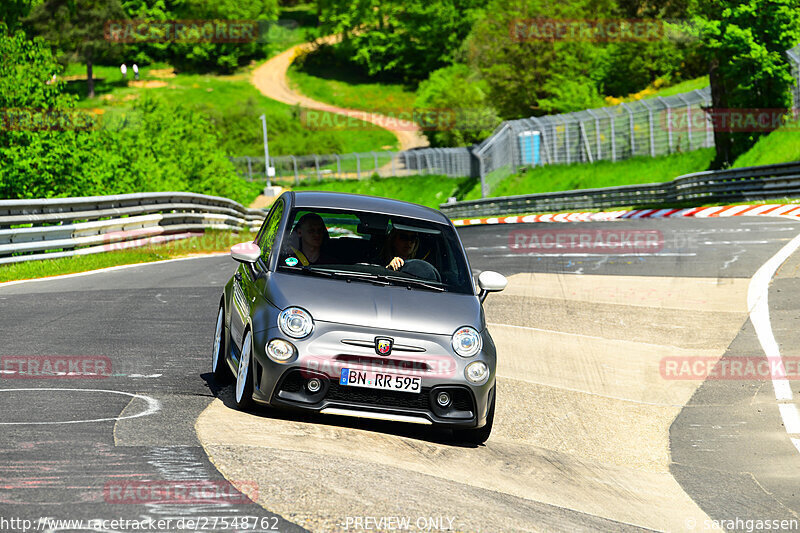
column 210, row 241
column 663, row 91
column 780, row 146
column 329, row 75
column 552, row 178
column 683, row 87
column 341, row 89
column 233, row 101
column 429, row 191
column 232, row 96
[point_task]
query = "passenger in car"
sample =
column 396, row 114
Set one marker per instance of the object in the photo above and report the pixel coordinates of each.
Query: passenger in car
column 307, row 241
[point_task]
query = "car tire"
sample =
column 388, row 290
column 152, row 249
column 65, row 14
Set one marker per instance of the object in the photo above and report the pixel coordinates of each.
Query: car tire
column 219, row 366
column 478, row 435
column 243, row 393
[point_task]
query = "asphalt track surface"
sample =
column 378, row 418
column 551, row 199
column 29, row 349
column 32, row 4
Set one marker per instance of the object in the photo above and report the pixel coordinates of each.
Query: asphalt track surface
column 728, row 448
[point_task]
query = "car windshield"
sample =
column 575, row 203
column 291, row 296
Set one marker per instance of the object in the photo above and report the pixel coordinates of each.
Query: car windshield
column 375, row 248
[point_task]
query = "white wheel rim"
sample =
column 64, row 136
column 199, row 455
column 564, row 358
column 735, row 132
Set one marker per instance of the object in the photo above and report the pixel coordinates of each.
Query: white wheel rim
column 217, row 342
column 244, row 365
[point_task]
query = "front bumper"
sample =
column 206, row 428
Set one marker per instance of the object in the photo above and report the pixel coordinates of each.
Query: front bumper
column 323, row 354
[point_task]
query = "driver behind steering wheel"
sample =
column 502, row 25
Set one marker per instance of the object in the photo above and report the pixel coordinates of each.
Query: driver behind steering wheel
column 400, row 246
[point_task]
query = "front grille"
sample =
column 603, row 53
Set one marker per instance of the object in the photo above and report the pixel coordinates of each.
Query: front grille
column 383, row 398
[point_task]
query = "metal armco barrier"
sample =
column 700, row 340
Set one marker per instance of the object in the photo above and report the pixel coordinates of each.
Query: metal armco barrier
column 62, row 227
column 733, row 185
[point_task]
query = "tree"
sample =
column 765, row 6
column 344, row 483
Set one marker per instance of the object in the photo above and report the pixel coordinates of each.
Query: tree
column 13, row 11
column 76, row 27
column 745, row 43
column 409, row 38
column 535, row 76
column 42, row 136
column 453, row 109
column 221, row 56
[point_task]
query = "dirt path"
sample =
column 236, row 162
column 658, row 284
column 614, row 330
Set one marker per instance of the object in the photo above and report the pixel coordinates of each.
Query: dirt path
column 270, row 78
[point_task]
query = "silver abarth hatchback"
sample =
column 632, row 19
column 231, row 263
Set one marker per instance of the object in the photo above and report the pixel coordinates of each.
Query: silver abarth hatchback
column 359, row 306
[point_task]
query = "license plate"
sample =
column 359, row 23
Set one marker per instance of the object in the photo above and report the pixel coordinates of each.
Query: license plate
column 379, row 380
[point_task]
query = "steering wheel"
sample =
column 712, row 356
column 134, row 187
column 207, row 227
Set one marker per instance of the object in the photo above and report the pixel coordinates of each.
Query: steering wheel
column 420, row 268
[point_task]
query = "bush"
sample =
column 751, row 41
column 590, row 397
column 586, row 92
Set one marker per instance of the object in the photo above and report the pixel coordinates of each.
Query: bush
column 156, row 147
column 454, row 92
column 198, row 56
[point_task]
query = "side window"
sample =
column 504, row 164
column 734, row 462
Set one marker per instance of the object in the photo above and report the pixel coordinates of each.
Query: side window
column 266, row 239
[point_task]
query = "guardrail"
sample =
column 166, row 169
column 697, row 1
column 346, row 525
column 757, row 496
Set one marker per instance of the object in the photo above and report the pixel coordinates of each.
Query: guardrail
column 733, row 185
column 61, row 227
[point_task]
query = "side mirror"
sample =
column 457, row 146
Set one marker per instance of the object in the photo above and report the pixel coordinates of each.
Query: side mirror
column 490, row 281
column 246, row 252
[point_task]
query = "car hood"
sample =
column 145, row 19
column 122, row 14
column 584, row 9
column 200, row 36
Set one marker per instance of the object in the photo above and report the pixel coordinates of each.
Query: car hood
column 365, row 304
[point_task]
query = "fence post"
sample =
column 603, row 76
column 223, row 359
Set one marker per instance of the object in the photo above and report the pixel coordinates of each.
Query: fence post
column 795, row 59
column 599, row 154
column 358, row 166
column 316, row 165
column 394, row 157
column 482, row 171
column 296, row 176
column 669, row 121
column 631, row 127
column 543, row 143
column 650, row 121
column 249, row 169
column 585, row 141
column 706, row 102
column 688, row 118
column 338, row 167
column 566, row 139
column 377, row 170
column 613, row 134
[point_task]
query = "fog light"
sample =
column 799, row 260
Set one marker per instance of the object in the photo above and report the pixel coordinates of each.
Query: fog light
column 477, row 372
column 314, row 385
column 443, row 399
column 279, row 350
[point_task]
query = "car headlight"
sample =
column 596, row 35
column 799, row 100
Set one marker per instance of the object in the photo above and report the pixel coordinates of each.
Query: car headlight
column 477, row 372
column 295, row 322
column 467, row 342
column 280, row 350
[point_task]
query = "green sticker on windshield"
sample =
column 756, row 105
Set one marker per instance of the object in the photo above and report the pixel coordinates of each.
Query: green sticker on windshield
column 291, row 261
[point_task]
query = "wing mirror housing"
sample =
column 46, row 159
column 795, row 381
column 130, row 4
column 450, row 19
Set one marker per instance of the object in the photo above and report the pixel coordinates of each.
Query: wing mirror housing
column 246, row 252
column 490, row 281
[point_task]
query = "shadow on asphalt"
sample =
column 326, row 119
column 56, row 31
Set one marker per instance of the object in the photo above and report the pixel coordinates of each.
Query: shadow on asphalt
column 412, row 431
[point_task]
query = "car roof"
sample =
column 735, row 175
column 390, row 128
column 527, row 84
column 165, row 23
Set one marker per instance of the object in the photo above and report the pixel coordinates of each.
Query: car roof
column 361, row 202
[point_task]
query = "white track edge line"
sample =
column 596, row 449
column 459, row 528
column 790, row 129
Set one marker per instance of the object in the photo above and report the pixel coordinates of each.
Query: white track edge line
column 758, row 304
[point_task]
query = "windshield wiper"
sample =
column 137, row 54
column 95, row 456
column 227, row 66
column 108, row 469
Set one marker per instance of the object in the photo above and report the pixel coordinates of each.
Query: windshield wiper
column 307, row 270
column 349, row 276
column 414, row 282
column 363, row 276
